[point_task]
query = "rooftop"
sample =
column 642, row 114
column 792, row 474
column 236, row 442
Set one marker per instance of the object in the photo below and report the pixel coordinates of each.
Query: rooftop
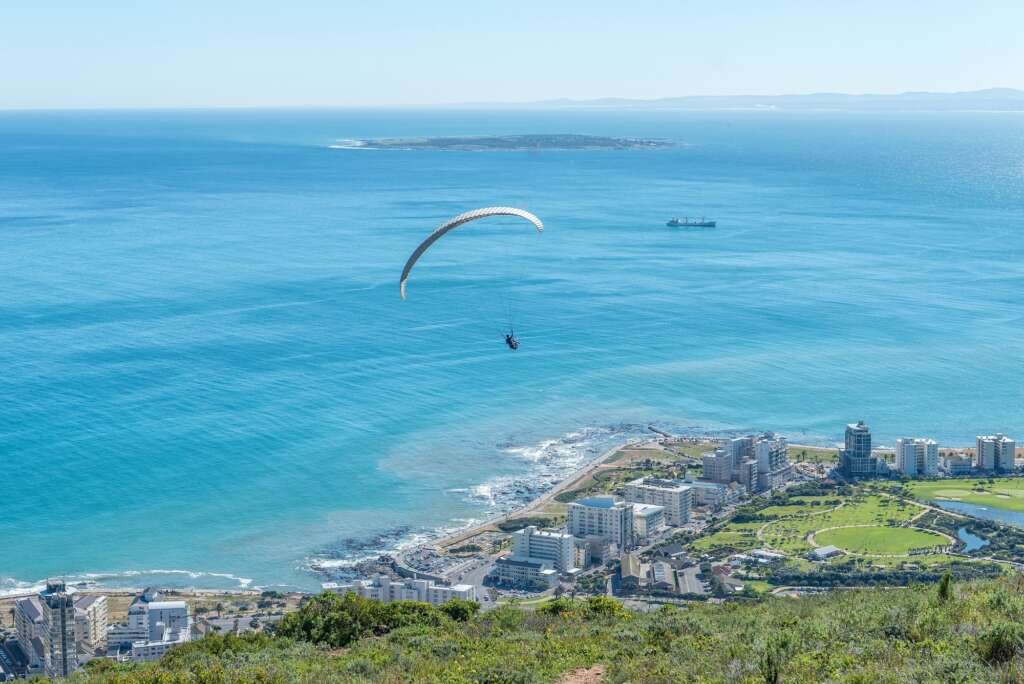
column 84, row 602
column 32, row 608
column 520, row 563
column 659, row 482
column 599, row 502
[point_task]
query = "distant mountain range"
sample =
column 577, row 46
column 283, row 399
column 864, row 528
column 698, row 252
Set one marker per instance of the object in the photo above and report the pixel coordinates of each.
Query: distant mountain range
column 991, row 99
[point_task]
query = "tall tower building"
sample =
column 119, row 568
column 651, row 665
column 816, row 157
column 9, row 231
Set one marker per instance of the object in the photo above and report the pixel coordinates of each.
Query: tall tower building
column 856, row 459
column 61, row 657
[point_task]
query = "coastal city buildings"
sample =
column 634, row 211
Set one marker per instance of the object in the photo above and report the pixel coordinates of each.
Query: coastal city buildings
column 55, row 625
column 675, row 497
column 604, row 517
column 384, row 589
column 995, row 453
column 856, row 460
column 556, row 549
column 758, row 462
column 917, row 457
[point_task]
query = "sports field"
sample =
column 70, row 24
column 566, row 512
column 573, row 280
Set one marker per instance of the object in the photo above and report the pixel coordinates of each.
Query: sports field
column 1006, row 493
column 881, row 540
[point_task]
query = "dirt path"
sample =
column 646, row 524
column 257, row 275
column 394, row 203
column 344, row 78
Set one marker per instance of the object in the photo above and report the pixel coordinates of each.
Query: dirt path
column 583, row 675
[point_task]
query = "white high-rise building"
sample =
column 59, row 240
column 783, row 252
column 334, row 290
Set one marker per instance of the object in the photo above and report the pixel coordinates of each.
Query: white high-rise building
column 604, row 517
column 557, row 549
column 675, row 497
column 741, row 449
column 917, row 457
column 91, row 622
column 28, row 623
column 718, row 466
column 772, row 455
column 995, row 453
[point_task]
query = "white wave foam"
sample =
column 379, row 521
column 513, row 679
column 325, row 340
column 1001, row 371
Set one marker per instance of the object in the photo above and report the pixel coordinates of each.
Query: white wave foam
column 120, row 579
column 548, row 462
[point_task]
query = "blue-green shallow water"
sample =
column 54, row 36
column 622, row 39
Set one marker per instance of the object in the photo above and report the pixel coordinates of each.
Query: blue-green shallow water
column 205, row 366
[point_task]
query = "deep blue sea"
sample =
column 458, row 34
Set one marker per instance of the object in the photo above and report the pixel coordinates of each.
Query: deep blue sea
column 207, row 376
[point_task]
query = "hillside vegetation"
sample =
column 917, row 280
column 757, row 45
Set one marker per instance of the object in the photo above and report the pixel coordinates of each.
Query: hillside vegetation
column 936, row 633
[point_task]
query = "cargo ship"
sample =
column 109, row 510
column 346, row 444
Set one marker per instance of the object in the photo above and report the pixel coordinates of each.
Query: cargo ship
column 688, row 222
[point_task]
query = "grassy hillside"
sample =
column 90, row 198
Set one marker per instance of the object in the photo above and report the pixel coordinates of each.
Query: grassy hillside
column 969, row 633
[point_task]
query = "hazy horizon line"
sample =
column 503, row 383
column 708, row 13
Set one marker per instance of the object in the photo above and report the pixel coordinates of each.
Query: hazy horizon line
column 540, row 103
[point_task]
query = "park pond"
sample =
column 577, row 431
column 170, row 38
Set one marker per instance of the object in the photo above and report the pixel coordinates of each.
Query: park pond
column 999, row 515
column 972, row 542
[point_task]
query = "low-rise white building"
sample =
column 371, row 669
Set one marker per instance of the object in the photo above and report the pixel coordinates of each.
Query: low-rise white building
column 715, row 495
column 384, row 589
column 519, row 571
column 153, row 627
column 958, row 464
column 675, row 497
column 823, row 552
column 557, row 549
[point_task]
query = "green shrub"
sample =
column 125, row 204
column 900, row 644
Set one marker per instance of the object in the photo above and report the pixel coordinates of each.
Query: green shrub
column 460, row 610
column 339, row 620
column 1001, row 642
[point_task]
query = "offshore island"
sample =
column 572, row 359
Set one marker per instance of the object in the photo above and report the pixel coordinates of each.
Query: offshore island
column 506, row 143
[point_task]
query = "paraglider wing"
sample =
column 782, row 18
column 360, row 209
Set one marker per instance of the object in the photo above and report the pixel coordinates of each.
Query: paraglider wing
column 459, row 220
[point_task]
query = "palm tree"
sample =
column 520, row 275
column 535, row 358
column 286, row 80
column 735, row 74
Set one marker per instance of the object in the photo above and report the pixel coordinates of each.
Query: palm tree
column 219, row 608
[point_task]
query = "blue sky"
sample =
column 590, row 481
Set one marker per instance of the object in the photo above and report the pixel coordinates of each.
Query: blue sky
column 100, row 53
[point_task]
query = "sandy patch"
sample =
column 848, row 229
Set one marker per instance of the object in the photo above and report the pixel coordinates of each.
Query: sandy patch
column 583, row 675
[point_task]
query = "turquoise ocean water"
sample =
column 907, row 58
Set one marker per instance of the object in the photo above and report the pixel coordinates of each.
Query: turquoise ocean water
column 207, row 377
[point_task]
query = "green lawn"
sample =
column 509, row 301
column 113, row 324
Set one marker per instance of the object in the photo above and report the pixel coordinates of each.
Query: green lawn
column 812, row 455
column 879, row 540
column 787, row 527
column 1006, row 493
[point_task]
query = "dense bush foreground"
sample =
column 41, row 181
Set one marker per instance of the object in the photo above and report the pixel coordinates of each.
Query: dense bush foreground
column 951, row 633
